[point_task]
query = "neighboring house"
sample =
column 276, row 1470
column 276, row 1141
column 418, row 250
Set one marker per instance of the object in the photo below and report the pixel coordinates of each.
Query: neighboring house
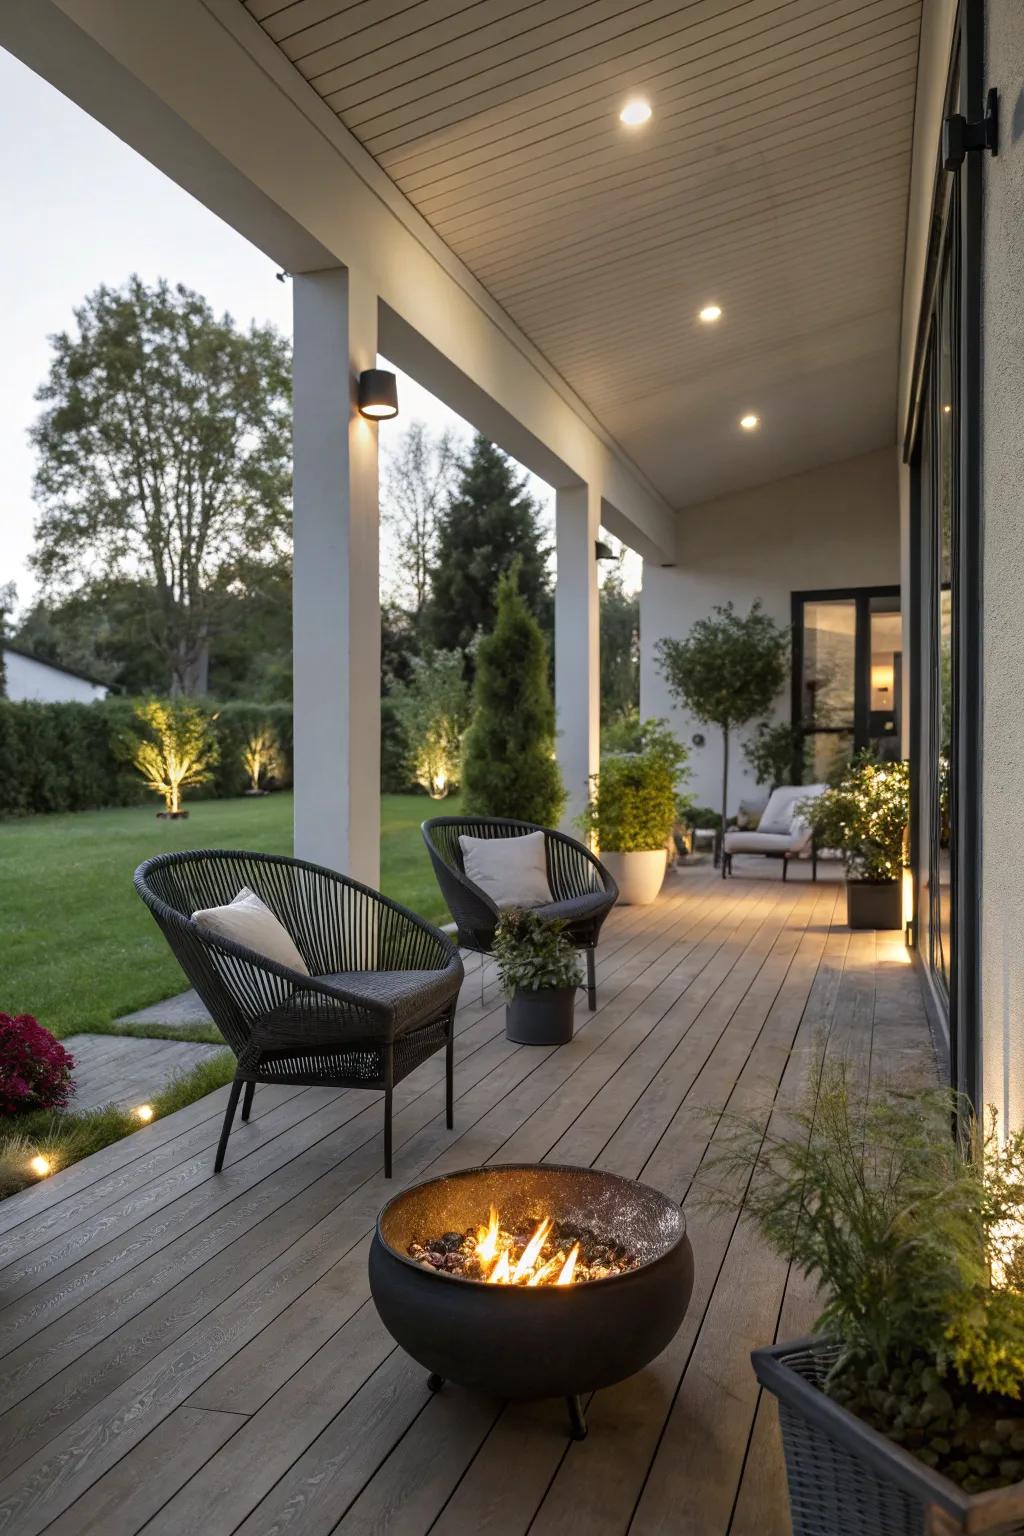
column 44, row 682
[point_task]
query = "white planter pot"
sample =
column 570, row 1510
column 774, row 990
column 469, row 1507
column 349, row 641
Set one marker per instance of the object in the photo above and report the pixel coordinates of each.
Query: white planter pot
column 639, row 876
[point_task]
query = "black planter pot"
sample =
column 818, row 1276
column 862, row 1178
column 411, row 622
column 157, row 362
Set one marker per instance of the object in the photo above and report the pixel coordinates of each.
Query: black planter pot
column 541, row 1018
column 846, row 1479
column 874, row 906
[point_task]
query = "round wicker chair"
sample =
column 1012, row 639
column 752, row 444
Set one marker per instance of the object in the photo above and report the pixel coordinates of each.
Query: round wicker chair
column 583, row 890
column 380, row 997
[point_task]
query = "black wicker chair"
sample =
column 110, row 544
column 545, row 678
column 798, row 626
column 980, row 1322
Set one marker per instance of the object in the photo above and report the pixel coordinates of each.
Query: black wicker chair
column 583, row 890
column 380, row 997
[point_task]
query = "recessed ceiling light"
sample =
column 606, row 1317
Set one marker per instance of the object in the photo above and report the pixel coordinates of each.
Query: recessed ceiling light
column 635, row 112
column 750, row 422
column 710, row 313
column 946, row 410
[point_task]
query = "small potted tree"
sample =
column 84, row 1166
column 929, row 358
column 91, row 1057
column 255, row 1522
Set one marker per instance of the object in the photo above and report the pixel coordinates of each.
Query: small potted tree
column 903, row 1413
column 728, row 670
column 539, row 973
column 864, row 816
column 634, row 803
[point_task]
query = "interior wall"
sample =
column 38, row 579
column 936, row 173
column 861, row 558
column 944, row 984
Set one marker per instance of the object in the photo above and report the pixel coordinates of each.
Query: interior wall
column 1002, row 961
column 834, row 527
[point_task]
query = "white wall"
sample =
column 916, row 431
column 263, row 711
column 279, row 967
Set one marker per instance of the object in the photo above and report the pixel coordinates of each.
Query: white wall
column 38, row 681
column 834, row 527
column 1002, row 900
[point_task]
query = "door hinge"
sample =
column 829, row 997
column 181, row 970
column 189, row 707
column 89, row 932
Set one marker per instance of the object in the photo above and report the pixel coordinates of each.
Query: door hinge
column 959, row 136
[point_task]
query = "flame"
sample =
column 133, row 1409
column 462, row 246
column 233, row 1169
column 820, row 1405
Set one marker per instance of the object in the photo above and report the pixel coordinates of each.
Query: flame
column 545, row 1272
column 487, row 1239
column 568, row 1268
column 501, row 1274
column 531, row 1253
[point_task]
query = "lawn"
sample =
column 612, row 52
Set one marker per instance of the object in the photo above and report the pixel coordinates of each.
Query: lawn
column 78, row 948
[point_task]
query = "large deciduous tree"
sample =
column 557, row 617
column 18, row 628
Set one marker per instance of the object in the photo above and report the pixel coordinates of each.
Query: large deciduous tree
column 164, row 459
column 489, row 524
column 729, row 669
column 417, row 475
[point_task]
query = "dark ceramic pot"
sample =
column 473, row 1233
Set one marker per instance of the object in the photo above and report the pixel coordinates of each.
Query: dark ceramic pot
column 541, row 1018
column 874, row 906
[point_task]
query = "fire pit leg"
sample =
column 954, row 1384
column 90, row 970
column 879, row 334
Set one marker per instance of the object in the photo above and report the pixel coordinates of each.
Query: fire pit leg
column 577, row 1421
column 435, row 1382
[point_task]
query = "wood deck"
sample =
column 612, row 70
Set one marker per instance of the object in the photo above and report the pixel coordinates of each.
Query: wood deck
column 184, row 1353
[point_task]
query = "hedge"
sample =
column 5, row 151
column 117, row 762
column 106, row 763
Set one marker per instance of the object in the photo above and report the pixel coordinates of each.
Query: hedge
column 66, row 757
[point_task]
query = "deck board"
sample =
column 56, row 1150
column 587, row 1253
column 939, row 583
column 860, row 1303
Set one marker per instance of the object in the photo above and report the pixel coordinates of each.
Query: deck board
column 189, row 1354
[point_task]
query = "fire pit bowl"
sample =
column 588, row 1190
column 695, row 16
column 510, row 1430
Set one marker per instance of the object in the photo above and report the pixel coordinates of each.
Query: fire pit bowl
column 548, row 1340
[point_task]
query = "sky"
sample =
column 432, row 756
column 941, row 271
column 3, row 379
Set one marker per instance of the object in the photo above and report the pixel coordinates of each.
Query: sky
column 81, row 208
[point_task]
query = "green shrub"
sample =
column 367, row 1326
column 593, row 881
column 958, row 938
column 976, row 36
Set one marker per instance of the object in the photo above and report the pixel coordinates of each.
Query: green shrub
column 76, row 757
column 634, row 800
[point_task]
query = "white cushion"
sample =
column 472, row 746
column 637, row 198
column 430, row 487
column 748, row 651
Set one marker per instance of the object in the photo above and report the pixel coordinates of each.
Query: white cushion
column 780, row 811
column 249, row 921
column 758, row 842
column 512, row 871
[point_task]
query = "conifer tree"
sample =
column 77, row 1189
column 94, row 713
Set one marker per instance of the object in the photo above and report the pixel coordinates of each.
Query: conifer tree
column 509, row 767
column 489, row 522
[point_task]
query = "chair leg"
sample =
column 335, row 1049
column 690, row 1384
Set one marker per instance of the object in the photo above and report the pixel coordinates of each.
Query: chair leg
column 814, row 863
column 591, row 978
column 449, row 1075
column 785, row 866
column 389, row 1085
column 250, row 1089
column 229, row 1115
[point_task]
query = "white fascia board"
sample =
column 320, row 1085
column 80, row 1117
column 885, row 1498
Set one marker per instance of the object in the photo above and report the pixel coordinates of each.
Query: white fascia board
column 198, row 88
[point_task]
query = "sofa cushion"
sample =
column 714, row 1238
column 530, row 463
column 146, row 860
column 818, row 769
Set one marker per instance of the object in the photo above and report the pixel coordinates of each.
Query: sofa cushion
column 512, row 871
column 781, row 808
column 758, row 842
column 249, row 921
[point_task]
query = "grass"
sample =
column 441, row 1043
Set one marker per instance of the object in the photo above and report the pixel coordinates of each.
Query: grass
column 66, row 1137
column 79, row 948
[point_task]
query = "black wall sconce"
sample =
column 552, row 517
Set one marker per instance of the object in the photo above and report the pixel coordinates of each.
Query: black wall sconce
column 378, row 394
column 603, row 551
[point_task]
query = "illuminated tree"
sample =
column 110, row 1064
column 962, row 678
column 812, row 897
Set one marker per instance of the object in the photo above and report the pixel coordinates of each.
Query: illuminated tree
column 261, row 757
column 178, row 753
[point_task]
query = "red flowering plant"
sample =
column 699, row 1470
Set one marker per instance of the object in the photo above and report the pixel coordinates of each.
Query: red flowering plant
column 35, row 1069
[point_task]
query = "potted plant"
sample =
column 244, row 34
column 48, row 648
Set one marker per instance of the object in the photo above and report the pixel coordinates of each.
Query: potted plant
column 728, row 669
column 633, row 807
column 539, row 974
column 904, row 1412
column 864, row 816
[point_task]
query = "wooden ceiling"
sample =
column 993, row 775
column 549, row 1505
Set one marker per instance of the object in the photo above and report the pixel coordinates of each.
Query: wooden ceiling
column 772, row 179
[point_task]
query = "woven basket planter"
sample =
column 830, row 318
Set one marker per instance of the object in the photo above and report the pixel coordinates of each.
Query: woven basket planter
column 845, row 1479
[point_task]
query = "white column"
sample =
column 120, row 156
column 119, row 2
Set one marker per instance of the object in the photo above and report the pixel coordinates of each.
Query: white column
column 577, row 643
column 336, row 622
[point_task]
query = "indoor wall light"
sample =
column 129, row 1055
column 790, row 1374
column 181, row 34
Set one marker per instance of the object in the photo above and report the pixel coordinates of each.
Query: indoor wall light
column 378, row 394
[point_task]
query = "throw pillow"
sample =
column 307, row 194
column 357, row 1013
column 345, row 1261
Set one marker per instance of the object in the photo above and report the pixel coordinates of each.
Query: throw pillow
column 512, row 871
column 249, row 921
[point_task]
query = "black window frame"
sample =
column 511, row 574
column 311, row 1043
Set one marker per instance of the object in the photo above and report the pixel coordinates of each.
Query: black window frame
column 861, row 598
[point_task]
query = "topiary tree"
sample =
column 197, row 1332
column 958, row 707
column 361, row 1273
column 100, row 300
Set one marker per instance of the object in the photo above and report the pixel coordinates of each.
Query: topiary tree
column 509, row 766
column 432, row 709
column 729, row 668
